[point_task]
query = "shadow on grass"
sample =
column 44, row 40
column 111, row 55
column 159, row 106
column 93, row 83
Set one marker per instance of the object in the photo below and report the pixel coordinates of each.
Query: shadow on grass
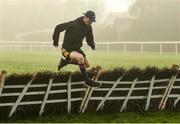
column 137, row 117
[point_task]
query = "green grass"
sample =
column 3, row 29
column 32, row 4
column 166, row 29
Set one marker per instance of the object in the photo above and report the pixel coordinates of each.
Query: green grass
column 146, row 117
column 21, row 62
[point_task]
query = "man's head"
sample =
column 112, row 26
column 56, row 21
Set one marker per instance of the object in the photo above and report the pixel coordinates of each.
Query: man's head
column 89, row 17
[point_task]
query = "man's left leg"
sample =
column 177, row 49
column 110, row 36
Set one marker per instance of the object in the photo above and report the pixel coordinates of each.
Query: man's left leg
column 64, row 62
column 67, row 60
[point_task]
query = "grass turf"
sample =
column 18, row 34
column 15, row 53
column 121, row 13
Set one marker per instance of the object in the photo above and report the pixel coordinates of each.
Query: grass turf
column 126, row 117
column 21, row 62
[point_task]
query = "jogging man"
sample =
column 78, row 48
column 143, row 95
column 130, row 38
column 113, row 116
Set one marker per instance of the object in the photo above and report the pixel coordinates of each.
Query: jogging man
column 75, row 32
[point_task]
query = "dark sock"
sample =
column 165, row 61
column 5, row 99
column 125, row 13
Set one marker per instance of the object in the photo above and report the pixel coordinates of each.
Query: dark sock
column 83, row 71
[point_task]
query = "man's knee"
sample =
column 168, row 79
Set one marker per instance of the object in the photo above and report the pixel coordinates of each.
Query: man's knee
column 87, row 65
column 77, row 57
column 81, row 60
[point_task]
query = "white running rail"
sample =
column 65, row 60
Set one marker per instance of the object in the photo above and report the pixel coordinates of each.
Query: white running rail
column 123, row 46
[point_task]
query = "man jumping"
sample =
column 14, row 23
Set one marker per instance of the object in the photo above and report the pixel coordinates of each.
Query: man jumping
column 75, row 32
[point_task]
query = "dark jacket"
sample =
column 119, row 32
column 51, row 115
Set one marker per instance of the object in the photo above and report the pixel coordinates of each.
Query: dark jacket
column 76, row 30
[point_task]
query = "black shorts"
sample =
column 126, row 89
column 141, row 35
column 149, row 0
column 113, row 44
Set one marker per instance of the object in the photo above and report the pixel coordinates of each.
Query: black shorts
column 66, row 53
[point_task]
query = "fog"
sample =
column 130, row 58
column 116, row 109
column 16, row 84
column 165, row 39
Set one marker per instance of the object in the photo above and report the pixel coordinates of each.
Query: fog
column 118, row 20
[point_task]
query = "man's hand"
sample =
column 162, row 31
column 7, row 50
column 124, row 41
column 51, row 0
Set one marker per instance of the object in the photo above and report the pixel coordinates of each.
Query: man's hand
column 93, row 47
column 55, row 44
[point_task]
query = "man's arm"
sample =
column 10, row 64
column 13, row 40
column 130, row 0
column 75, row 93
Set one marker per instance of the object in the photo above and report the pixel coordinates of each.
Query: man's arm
column 90, row 38
column 59, row 28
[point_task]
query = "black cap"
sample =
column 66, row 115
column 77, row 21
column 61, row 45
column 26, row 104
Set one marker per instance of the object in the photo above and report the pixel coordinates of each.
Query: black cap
column 91, row 15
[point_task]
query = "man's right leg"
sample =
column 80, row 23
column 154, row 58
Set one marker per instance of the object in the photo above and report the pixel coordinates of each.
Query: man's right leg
column 79, row 58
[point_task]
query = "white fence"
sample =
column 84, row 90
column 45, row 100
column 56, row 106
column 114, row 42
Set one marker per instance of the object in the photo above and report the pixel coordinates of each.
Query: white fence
column 167, row 94
column 124, row 47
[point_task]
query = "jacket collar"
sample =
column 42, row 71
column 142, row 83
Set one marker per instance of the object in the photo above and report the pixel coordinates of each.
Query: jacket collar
column 80, row 21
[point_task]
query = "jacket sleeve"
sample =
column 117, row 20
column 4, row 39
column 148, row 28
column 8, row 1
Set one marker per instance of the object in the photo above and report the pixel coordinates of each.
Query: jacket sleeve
column 58, row 29
column 90, row 37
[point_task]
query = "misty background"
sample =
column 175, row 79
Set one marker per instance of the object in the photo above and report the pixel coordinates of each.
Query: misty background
column 136, row 20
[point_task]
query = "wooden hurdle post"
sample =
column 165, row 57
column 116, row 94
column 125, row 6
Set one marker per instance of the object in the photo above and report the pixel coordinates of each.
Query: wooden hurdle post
column 167, row 92
column 3, row 76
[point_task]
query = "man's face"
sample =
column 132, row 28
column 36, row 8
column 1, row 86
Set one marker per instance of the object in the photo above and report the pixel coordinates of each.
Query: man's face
column 87, row 20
